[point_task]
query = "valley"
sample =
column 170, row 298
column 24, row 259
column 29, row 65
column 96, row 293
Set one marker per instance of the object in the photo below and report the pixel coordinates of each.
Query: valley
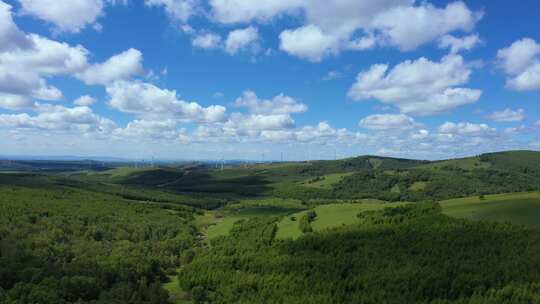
column 362, row 230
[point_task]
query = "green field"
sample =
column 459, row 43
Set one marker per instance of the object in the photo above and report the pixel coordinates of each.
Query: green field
column 223, row 225
column 518, row 208
column 328, row 216
column 326, row 181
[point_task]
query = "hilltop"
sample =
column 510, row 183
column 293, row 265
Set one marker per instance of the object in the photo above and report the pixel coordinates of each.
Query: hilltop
column 386, row 178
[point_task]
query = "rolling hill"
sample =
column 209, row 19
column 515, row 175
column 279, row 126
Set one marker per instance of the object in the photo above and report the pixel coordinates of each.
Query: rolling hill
column 384, row 178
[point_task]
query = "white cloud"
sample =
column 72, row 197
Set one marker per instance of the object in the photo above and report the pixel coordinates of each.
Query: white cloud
column 241, row 39
column 258, row 122
column 10, row 35
column 521, row 62
column 206, row 41
column 67, row 16
column 59, row 118
column 280, row 104
column 147, row 100
column 328, row 28
column 384, row 122
column 420, row 87
column 464, row 128
column 180, row 10
column 84, row 100
column 144, row 129
column 408, row 27
column 308, row 42
column 517, row 58
column 237, row 11
column 420, row 134
column 457, row 44
column 15, row 102
column 319, row 132
column 23, row 70
column 47, row 57
column 507, row 115
column 118, row 67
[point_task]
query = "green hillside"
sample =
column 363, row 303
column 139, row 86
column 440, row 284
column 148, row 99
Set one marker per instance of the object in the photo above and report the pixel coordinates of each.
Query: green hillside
column 359, row 230
column 517, row 208
column 410, row 254
column 364, row 177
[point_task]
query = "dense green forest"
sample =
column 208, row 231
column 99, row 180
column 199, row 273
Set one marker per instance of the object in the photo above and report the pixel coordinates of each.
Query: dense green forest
column 360, row 230
column 63, row 244
column 411, row 254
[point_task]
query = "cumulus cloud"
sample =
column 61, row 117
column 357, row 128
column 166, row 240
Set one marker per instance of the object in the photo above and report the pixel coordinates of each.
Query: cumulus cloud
column 148, row 129
column 521, row 63
column 15, row 102
column 206, row 41
column 507, row 115
column 280, row 104
column 308, row 42
column 180, row 10
column 383, row 122
column 258, row 122
column 23, row 71
column 10, row 35
column 408, row 27
column 59, row 118
column 28, row 60
column 265, row 118
column 237, row 11
column 118, row 67
column 330, row 27
column 458, row 44
column 84, row 100
column 466, row 128
column 321, row 131
column 67, row 16
column 242, row 39
column 269, row 120
column 421, row 87
column 148, row 100
column 28, row 64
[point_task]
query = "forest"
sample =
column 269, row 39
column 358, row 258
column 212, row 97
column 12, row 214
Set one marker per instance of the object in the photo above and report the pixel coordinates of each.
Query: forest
column 398, row 255
column 69, row 245
column 360, row 230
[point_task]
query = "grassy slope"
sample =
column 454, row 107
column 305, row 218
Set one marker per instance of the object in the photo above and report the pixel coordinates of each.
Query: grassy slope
column 327, row 181
column 328, row 216
column 399, row 256
column 468, row 163
column 224, row 225
column 519, row 208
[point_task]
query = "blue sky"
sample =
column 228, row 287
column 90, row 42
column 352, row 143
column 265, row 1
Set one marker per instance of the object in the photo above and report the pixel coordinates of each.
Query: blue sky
column 188, row 79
